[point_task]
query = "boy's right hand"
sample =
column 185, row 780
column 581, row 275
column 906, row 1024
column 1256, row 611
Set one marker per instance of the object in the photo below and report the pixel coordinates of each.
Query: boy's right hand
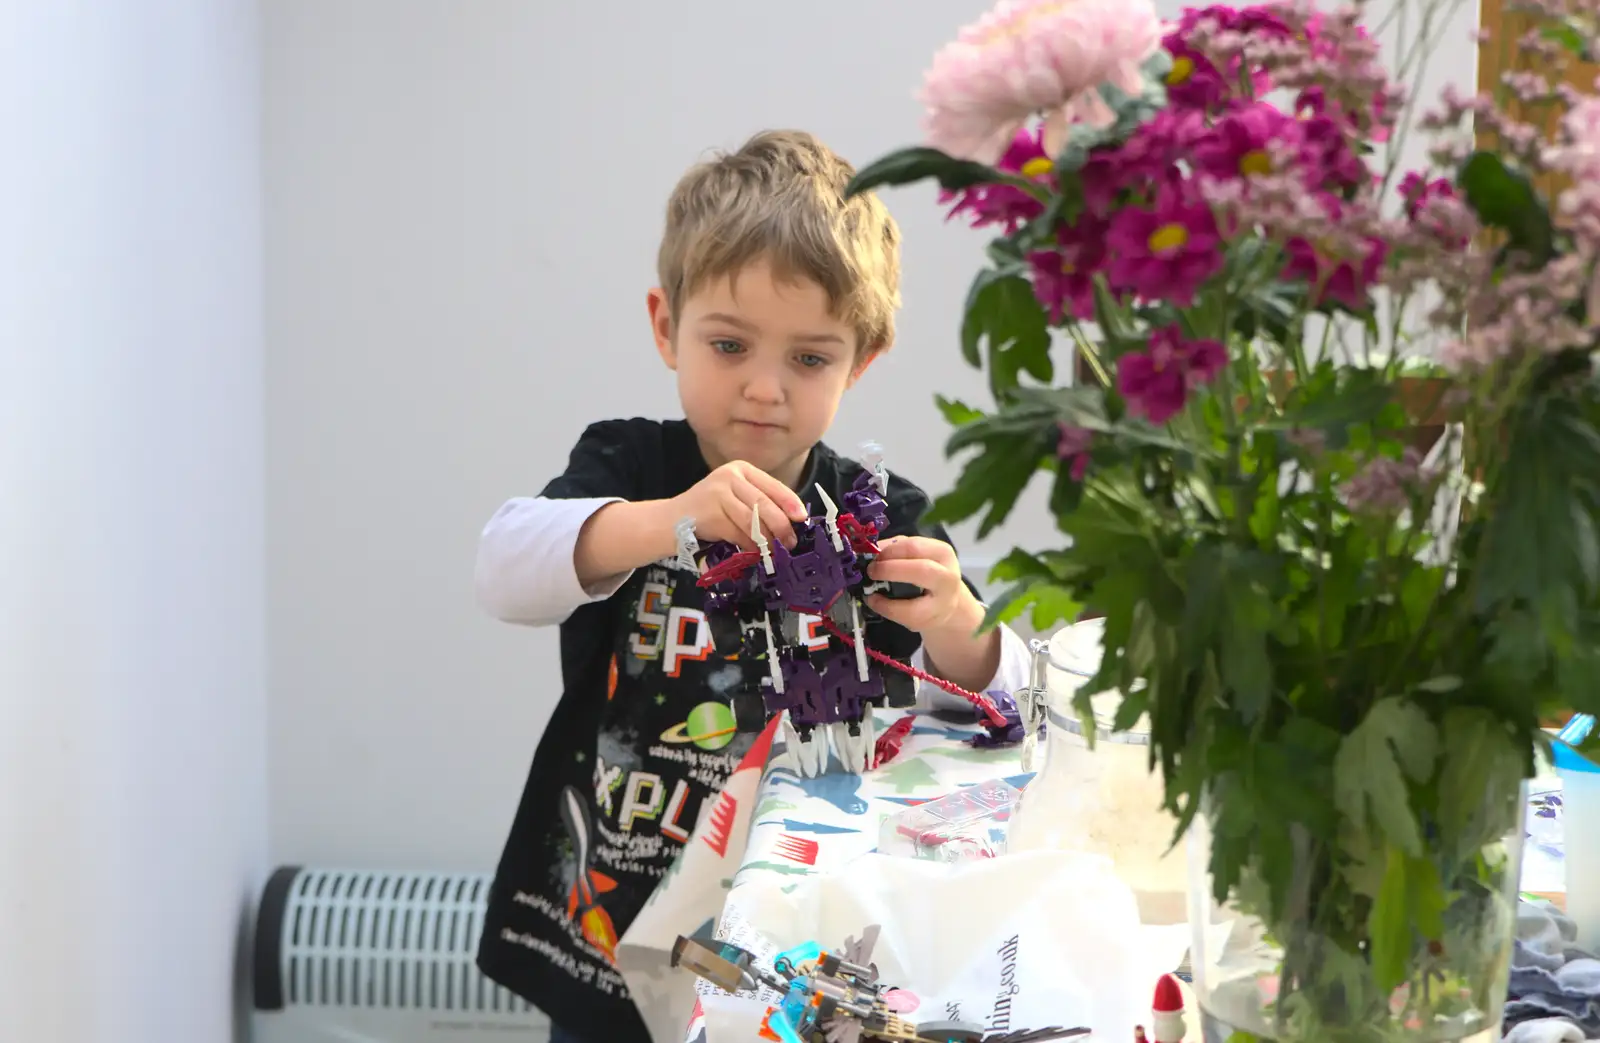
column 721, row 502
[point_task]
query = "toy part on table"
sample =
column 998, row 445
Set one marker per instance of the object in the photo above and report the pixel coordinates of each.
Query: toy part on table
column 832, row 994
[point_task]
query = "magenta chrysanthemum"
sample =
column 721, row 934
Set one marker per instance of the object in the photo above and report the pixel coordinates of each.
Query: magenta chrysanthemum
column 1156, row 382
column 1063, row 278
column 1251, row 141
column 1006, row 205
column 1166, row 251
column 1145, row 159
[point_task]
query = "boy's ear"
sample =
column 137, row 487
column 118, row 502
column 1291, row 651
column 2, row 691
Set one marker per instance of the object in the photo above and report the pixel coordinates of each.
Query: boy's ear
column 661, row 325
column 867, row 358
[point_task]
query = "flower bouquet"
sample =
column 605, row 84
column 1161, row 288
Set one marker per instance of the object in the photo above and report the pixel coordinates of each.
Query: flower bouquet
column 1343, row 639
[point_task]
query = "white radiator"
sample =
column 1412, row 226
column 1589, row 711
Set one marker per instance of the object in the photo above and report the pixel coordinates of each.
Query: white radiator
column 359, row 956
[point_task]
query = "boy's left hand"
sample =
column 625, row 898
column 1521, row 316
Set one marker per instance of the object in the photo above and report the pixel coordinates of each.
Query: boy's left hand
column 930, row 564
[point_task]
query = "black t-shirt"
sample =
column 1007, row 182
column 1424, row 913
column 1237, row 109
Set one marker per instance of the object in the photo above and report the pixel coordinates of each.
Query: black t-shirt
column 633, row 748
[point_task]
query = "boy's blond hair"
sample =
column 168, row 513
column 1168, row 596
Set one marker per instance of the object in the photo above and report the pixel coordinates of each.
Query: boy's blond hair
column 781, row 197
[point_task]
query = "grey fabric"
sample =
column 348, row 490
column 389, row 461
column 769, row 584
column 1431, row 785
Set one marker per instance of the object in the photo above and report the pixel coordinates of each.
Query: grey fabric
column 1544, row 1030
column 1551, row 978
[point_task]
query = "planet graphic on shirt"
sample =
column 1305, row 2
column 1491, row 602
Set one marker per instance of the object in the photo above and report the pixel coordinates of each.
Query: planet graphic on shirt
column 710, row 726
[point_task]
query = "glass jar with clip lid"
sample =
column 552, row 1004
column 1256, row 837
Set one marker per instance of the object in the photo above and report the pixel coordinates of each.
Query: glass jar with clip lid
column 1106, row 800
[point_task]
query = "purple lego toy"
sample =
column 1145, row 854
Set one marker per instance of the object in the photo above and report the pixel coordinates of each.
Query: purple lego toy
column 1008, row 734
column 756, row 596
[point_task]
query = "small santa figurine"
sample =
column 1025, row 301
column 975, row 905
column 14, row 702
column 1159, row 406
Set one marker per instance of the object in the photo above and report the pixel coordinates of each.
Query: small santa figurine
column 1166, row 1011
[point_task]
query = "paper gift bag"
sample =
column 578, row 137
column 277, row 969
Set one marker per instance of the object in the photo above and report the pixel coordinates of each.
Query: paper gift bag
column 1012, row 943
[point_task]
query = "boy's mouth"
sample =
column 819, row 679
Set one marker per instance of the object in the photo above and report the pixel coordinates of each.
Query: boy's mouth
column 759, row 425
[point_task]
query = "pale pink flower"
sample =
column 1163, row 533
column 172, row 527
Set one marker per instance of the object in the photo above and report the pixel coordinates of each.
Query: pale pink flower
column 1027, row 57
column 1579, row 153
column 1384, row 486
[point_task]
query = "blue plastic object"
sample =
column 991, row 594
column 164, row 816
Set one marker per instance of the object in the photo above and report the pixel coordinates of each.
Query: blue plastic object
column 1562, row 751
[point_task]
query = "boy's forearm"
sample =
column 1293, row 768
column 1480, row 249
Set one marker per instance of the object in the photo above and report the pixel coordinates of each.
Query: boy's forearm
column 957, row 653
column 624, row 536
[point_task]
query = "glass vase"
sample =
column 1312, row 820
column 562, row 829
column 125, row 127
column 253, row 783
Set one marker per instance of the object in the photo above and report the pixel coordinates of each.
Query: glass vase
column 1105, row 801
column 1309, row 976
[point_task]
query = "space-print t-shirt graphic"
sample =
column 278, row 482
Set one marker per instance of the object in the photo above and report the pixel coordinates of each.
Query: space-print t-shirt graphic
column 639, row 747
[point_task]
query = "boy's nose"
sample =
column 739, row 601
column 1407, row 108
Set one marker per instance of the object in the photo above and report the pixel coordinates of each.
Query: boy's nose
column 765, row 388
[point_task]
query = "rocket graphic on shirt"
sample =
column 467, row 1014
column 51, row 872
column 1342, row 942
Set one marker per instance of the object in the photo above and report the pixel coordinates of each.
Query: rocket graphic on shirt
column 583, row 903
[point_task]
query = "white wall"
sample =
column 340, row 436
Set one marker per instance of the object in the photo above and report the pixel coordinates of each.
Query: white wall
column 463, row 206
column 132, row 746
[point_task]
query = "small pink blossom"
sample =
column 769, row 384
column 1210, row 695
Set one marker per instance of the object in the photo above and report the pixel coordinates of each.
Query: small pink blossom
column 1416, row 191
column 1156, row 382
column 1385, row 486
column 1072, row 448
column 1034, row 56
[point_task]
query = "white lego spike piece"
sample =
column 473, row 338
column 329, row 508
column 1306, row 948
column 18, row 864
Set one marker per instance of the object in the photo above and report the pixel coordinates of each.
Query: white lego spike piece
column 688, row 545
column 855, row 751
column 761, row 541
column 831, row 510
column 872, row 460
column 773, row 666
column 809, row 756
column 860, row 640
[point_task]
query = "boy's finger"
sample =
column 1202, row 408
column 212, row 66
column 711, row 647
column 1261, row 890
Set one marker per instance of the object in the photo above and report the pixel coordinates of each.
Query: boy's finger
column 782, row 496
column 918, row 571
column 773, row 522
column 777, row 526
column 908, row 547
column 890, row 609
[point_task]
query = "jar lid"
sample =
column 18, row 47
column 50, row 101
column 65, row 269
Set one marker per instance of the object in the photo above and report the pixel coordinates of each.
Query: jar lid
column 1075, row 650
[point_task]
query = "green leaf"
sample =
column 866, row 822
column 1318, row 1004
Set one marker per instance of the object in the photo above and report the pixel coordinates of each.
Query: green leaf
column 1569, row 35
column 1011, row 603
column 1534, row 550
column 1485, row 761
column 1425, row 897
column 1002, row 310
column 1505, row 199
column 1019, row 564
column 1395, row 741
column 957, row 412
column 993, row 478
column 1389, row 924
column 1053, row 604
column 909, row 165
column 1359, row 397
column 1246, row 668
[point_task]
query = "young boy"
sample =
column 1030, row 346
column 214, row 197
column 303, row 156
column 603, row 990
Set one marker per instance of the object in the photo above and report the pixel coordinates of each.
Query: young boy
column 776, row 295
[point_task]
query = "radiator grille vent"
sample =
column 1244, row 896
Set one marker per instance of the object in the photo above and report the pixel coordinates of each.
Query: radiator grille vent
column 396, row 941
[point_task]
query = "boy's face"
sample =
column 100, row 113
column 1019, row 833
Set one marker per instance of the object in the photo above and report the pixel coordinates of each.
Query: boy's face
column 761, row 367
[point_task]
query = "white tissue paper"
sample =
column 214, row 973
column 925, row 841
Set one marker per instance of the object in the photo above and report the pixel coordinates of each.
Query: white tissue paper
column 1017, row 942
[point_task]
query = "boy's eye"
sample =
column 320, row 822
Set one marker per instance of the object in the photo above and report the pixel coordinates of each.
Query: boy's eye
column 813, row 361
column 724, row 346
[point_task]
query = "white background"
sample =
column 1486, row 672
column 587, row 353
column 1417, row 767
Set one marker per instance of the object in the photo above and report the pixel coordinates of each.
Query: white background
column 295, row 293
